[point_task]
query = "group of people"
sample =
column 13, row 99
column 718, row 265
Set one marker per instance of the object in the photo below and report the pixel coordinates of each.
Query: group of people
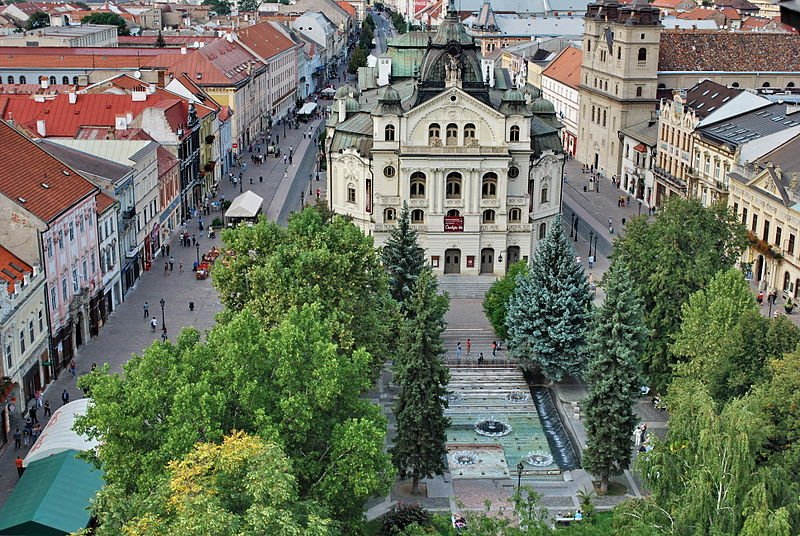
column 496, row 346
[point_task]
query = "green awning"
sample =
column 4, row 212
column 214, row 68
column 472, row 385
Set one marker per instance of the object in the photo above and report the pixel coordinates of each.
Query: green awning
column 52, row 497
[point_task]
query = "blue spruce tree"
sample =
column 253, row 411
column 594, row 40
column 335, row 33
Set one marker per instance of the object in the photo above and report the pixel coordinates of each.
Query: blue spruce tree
column 550, row 309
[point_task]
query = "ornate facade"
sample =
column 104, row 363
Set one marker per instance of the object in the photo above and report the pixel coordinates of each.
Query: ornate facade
column 480, row 171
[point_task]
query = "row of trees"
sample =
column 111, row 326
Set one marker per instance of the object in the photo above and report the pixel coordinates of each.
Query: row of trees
column 358, row 58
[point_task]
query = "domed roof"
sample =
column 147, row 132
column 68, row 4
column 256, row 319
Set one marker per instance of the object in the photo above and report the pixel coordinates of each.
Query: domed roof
column 345, row 91
column 542, row 106
column 513, row 95
column 532, row 91
column 352, row 105
column 389, row 94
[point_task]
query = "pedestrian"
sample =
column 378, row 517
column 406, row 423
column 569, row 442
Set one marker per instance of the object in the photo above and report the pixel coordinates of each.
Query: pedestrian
column 291, row 150
column 318, row 192
column 94, row 367
column 167, row 248
column 760, row 297
column 180, row 265
column 47, row 412
column 494, row 349
column 610, row 221
column 591, row 261
column 285, row 158
column 171, row 264
column 469, row 346
column 277, row 139
column 251, row 180
column 37, row 429
column 260, row 179
column 610, row 230
column 26, row 432
column 480, row 358
column 623, row 222
column 628, row 201
column 65, row 396
column 166, row 269
column 32, row 413
column 17, row 439
column 146, row 308
column 290, row 160
column 194, row 240
column 72, row 367
column 38, row 397
column 20, row 467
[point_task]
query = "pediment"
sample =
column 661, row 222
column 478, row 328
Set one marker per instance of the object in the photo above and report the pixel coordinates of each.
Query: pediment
column 443, row 101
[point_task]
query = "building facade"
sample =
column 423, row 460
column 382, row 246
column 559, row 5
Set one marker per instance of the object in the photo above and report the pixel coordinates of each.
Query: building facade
column 561, row 86
column 479, row 170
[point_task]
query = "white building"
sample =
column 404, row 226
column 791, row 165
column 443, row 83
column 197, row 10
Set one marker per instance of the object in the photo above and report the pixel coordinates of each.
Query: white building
column 108, row 242
column 638, row 158
column 560, row 81
column 479, row 170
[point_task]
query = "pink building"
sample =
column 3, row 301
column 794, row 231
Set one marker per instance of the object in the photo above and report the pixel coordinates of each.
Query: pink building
column 48, row 216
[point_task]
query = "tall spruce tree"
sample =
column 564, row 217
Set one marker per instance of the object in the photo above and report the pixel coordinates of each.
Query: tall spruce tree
column 548, row 313
column 403, row 258
column 617, row 341
column 419, row 448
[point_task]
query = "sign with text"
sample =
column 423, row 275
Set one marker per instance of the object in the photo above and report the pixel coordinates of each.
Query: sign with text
column 453, row 224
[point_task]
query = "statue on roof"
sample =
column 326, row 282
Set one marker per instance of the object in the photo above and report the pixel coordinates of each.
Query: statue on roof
column 453, row 69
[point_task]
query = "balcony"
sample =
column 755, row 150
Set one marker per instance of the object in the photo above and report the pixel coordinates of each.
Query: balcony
column 490, row 203
column 520, row 227
column 666, row 176
column 517, row 201
column 129, row 214
column 417, row 203
column 453, row 203
column 721, row 186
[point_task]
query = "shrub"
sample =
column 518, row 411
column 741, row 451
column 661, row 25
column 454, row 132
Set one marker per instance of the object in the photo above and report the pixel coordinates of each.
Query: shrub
column 402, row 516
column 217, row 223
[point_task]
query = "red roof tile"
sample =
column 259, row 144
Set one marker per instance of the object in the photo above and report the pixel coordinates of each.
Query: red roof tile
column 710, row 50
column 347, row 6
column 265, row 40
column 166, row 160
column 25, row 169
column 103, row 201
column 566, row 67
column 12, row 269
column 220, row 63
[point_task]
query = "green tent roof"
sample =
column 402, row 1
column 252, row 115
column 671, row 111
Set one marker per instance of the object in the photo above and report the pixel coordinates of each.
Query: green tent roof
column 52, row 497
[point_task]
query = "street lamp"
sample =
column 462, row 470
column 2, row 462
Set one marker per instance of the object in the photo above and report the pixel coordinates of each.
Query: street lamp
column 163, row 318
column 197, row 245
column 520, row 468
column 591, row 236
column 241, row 182
column 571, row 224
column 576, row 228
column 596, row 236
column 310, row 185
column 640, row 207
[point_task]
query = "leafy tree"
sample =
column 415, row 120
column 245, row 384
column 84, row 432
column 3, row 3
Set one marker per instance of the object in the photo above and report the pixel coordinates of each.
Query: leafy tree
column 220, row 7
column 403, row 258
column 357, row 59
column 110, row 19
column 495, row 303
column 548, row 313
column 365, row 40
column 671, row 257
column 248, row 5
column 242, row 486
column 160, row 42
column 83, row 5
column 39, row 19
column 369, row 22
column 419, row 448
column 314, row 259
column 616, row 344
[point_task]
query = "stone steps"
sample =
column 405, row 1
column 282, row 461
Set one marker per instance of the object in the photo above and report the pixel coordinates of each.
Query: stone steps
column 466, row 286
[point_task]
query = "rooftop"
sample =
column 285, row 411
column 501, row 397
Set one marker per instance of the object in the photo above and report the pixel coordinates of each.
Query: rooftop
column 708, row 96
column 265, row 40
column 704, row 50
column 48, row 187
column 12, row 269
column 752, row 125
column 566, row 67
column 103, row 202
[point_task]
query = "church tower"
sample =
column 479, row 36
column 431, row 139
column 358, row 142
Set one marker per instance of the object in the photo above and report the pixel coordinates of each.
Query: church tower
column 618, row 78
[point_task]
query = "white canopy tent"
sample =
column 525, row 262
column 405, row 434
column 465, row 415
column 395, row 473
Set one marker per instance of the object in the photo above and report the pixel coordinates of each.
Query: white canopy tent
column 307, row 109
column 245, row 207
column 328, row 91
column 58, row 435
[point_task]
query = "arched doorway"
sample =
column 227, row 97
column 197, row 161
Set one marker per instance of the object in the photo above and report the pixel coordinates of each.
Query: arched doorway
column 79, row 330
column 487, row 261
column 786, row 282
column 452, row 261
column 513, row 256
column 796, row 288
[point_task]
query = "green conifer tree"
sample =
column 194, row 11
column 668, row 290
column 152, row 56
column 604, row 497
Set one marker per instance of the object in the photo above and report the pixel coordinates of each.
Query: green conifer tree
column 617, row 341
column 549, row 311
column 160, row 41
column 403, row 258
column 419, row 448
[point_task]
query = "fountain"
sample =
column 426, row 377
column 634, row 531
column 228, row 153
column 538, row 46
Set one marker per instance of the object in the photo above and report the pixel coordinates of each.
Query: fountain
column 539, row 458
column 492, row 428
column 463, row 458
column 518, row 397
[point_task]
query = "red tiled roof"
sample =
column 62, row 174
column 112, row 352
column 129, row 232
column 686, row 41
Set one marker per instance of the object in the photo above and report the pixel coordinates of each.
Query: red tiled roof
column 30, row 89
column 220, row 63
column 730, row 13
column 102, row 202
column 701, row 13
column 225, row 113
column 265, row 40
column 754, row 24
column 12, row 269
column 347, row 6
column 24, row 170
column 170, row 40
column 166, row 160
column 710, row 50
column 566, row 67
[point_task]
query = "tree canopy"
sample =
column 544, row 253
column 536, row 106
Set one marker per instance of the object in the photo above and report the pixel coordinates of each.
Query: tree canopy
column 495, row 303
column 403, row 258
column 220, row 7
column 670, row 257
column 38, row 19
column 111, row 19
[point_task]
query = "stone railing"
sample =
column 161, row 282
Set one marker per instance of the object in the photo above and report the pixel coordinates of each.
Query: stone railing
column 490, row 203
column 387, row 200
column 417, row 203
column 383, row 227
column 453, row 149
column 520, row 228
column 453, row 203
column 517, row 201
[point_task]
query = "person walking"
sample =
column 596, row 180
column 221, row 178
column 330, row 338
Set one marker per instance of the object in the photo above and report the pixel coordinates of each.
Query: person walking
column 167, row 248
column 166, row 269
column 72, row 367
column 20, row 467
column 146, row 308
column 469, row 346
column 65, row 397
column 47, row 412
column 494, row 348
column 32, row 413
column 17, row 439
column 171, row 264
column 153, row 324
column 180, row 266
column 285, row 158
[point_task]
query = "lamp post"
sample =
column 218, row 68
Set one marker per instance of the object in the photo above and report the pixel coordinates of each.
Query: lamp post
column 302, row 199
column 197, row 245
column 571, row 224
column 241, row 182
column 520, row 468
column 640, row 207
column 596, row 236
column 163, row 318
column 591, row 236
column 310, row 185
column 576, row 228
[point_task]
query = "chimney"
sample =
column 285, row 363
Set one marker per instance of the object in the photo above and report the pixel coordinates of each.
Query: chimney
column 120, row 122
column 73, row 97
column 138, row 96
column 44, row 82
column 41, row 128
column 183, row 50
column 129, row 117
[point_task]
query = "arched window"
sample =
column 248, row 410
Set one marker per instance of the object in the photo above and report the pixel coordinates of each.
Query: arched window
column 452, row 134
column 434, row 132
column 545, row 194
column 790, row 84
column 786, row 281
column 75, row 80
column 453, row 186
column 489, row 186
column 488, row 216
column 592, row 114
column 453, row 213
column 515, row 215
column 65, row 80
column 417, row 185
column 470, row 131
column 639, row 91
column 735, row 84
column 542, row 231
column 52, row 80
column 22, row 80
column 765, row 84
column 642, row 56
column 389, row 215
column 388, row 133
column 351, row 193
column 10, row 79
column 604, row 117
column 514, row 134
column 417, row 216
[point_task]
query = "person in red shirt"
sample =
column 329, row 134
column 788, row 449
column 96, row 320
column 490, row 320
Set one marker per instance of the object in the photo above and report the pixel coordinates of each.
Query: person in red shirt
column 20, row 468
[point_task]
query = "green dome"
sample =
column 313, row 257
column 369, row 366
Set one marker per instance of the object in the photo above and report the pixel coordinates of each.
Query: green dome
column 389, row 94
column 352, row 105
column 513, row 95
column 542, row 106
column 346, row 91
column 532, row 91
